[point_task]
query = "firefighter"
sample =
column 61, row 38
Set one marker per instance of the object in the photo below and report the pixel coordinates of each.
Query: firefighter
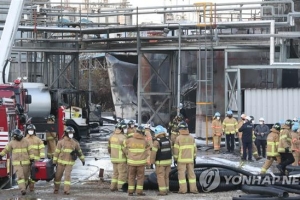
column 230, row 129
column 217, row 132
column 149, row 139
column 130, row 129
column 174, row 128
column 51, row 138
column 239, row 125
column 272, row 148
column 136, row 149
column 21, row 158
column 284, row 147
column 118, row 158
column 161, row 156
column 64, row 158
column 37, row 147
column 295, row 143
column 254, row 148
column 185, row 153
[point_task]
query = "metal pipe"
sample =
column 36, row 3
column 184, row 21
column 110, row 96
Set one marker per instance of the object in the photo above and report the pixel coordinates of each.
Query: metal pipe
column 272, row 42
column 179, row 70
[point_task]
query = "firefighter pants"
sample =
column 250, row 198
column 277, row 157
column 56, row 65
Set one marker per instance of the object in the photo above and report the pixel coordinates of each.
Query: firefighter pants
column 162, row 173
column 269, row 162
column 296, row 155
column 261, row 147
column 188, row 168
column 230, row 142
column 119, row 176
column 217, row 142
column 51, row 146
column 22, row 173
column 137, row 172
column 67, row 176
column 254, row 151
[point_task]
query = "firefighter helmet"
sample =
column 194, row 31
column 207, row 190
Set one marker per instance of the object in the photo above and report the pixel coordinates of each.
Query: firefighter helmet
column 159, row 129
column 140, row 130
column 277, row 126
column 182, row 125
column 51, row 117
column 69, row 131
column 122, row 125
column 289, row 122
column 30, row 127
column 131, row 122
column 229, row 112
column 17, row 134
column 117, row 125
column 217, row 114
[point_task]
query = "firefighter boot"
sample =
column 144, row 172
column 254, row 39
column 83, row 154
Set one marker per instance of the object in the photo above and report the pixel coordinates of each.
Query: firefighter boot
column 31, row 186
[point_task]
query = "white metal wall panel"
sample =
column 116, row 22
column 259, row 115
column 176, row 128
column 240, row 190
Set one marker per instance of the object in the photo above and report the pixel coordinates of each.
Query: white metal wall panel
column 272, row 104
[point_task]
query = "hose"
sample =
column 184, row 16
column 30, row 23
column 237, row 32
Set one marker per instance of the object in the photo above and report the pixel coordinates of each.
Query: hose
column 210, row 165
column 264, row 191
column 291, row 168
column 265, row 198
column 254, row 196
column 290, row 190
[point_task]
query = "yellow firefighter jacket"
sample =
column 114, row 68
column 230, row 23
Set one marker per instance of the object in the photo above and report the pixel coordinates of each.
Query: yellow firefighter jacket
column 272, row 143
column 295, row 141
column 136, row 150
column 21, row 154
column 216, row 126
column 148, row 137
column 185, row 150
column 285, row 139
column 62, row 154
column 154, row 150
column 116, row 147
column 37, row 146
column 230, row 125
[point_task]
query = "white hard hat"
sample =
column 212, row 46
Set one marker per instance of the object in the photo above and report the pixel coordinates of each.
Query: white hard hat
column 261, row 119
column 180, row 105
column 243, row 116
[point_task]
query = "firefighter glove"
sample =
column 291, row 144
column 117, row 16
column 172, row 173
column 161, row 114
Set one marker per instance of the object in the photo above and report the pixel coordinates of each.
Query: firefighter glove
column 83, row 163
column 287, row 149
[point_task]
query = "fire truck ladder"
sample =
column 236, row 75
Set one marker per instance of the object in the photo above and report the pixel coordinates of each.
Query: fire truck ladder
column 204, row 99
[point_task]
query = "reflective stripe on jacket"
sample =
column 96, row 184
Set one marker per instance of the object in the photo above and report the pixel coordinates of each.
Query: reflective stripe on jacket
column 272, row 143
column 62, row 154
column 230, row 125
column 185, row 150
column 285, row 139
column 37, row 147
column 136, row 150
column 116, row 148
column 20, row 152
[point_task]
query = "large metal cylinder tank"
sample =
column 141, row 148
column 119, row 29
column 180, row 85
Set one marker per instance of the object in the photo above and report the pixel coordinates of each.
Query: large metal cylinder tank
column 40, row 99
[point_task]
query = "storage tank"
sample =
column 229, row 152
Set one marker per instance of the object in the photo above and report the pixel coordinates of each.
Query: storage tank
column 40, row 99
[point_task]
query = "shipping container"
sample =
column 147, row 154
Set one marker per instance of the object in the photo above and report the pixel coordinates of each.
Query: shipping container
column 273, row 105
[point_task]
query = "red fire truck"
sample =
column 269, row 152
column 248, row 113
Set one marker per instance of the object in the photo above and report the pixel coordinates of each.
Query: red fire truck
column 7, row 124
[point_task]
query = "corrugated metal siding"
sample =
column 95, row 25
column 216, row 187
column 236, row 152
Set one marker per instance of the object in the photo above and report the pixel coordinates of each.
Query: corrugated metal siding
column 272, row 104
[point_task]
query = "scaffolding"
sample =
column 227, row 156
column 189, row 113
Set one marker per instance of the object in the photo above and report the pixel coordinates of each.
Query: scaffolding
column 45, row 44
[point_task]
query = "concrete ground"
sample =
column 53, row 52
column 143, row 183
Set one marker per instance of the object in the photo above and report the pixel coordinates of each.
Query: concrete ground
column 86, row 183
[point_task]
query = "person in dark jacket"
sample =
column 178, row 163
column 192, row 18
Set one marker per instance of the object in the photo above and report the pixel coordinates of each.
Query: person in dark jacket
column 247, row 128
column 261, row 132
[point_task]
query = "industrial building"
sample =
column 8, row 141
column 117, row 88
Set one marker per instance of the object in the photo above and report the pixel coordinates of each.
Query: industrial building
column 209, row 56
